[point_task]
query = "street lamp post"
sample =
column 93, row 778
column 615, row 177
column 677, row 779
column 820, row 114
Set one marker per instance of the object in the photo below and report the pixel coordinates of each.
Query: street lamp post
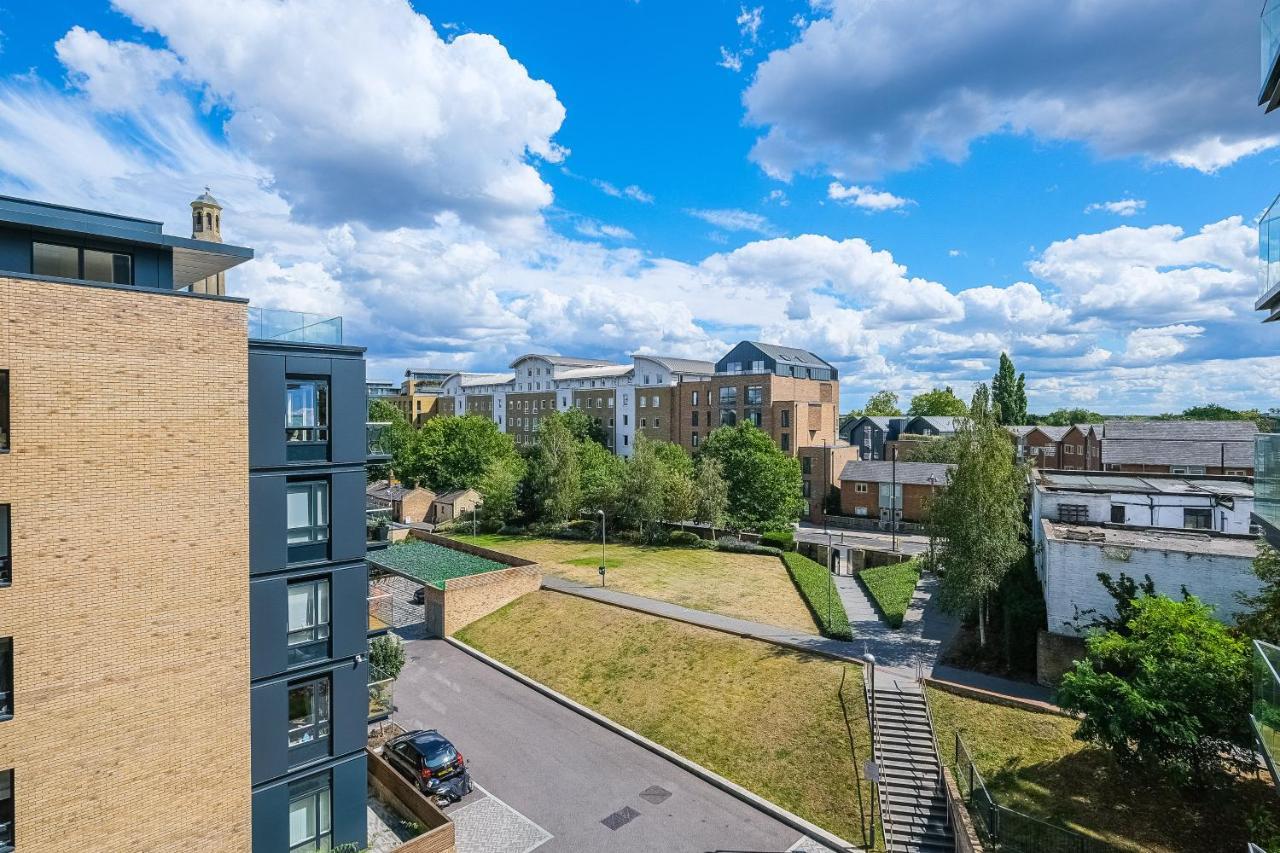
column 870, row 660
column 893, row 498
column 933, row 487
column 602, row 554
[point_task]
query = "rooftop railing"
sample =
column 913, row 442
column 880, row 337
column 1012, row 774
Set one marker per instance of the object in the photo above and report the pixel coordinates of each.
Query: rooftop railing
column 375, row 433
column 1265, row 713
column 275, row 324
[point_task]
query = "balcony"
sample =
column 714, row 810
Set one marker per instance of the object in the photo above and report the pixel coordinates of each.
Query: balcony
column 377, row 436
column 1266, row 483
column 377, row 527
column 274, row 324
column 381, row 610
column 381, row 694
column 1269, row 261
column 1269, row 96
column 1265, row 713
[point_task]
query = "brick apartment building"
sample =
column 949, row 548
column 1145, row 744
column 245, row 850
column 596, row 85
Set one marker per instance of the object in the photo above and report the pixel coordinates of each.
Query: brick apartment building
column 147, row 679
column 1073, row 448
column 874, row 489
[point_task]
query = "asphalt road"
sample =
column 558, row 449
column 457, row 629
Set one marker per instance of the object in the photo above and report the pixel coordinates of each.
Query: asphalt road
column 908, row 543
column 567, row 774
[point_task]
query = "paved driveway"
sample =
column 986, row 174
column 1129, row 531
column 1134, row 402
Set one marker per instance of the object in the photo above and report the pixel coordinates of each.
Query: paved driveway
column 579, row 787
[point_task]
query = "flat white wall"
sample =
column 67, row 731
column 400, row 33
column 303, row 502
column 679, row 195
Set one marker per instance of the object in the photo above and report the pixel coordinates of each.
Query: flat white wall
column 1069, row 571
column 1139, row 510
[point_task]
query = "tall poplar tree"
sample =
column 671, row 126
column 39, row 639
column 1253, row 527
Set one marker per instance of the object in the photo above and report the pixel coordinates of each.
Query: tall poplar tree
column 1009, row 393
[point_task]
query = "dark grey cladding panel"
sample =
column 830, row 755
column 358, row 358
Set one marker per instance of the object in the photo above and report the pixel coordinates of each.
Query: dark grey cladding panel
column 268, row 549
column 350, row 410
column 266, row 410
column 268, row 626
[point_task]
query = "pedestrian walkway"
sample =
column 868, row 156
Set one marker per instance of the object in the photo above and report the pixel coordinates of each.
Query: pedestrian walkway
column 925, row 631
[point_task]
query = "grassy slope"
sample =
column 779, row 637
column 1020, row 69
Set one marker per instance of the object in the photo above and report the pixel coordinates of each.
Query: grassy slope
column 769, row 719
column 892, row 588
column 746, row 586
column 1032, row 764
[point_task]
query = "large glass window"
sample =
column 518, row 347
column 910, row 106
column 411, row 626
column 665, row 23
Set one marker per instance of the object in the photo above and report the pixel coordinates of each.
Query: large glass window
column 308, row 512
column 307, row 410
column 755, row 395
column 729, row 395
column 728, row 417
column 51, row 259
column 6, row 678
column 308, row 620
column 1197, row 518
column 113, row 267
column 310, row 823
column 308, row 719
column 6, row 810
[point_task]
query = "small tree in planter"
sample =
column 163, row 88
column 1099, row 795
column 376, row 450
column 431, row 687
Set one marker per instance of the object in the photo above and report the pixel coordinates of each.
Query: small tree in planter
column 386, row 652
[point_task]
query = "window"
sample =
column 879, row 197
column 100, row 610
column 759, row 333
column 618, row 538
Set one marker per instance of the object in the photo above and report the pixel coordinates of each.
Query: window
column 6, row 568
column 728, row 417
column 626, row 419
column 6, row 678
column 644, row 423
column 655, row 403
column 733, row 367
column 51, row 259
column 695, row 398
column 1197, row 518
column 307, row 410
column 860, row 488
column 308, row 720
column 806, row 465
column 4, row 411
column 693, row 418
column 694, row 438
column 1186, row 469
column 611, row 402
column 1234, row 472
column 657, row 422
column 786, row 440
column 308, row 620
column 757, row 366
column 755, row 395
column 6, row 810
column 308, row 512
column 805, row 489
column 1073, row 513
column 786, row 417
column 642, row 401
column 626, row 440
column 1117, row 513
column 753, row 416
column 310, row 825
column 197, row 222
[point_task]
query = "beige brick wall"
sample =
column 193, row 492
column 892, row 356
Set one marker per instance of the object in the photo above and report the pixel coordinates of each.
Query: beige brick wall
column 471, row 598
column 129, row 604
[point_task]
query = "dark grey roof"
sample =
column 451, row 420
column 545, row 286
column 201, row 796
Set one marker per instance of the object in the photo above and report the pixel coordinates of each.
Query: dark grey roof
column 1055, row 433
column 942, row 423
column 680, row 365
column 563, row 360
column 1208, row 443
column 790, row 355
column 381, row 491
column 206, row 198
column 1180, row 430
column 1116, row 482
column 879, row 471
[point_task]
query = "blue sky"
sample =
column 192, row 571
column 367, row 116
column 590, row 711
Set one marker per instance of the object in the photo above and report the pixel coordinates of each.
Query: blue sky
column 465, row 181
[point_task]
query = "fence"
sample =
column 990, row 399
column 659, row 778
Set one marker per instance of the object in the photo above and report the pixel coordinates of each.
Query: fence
column 1007, row 831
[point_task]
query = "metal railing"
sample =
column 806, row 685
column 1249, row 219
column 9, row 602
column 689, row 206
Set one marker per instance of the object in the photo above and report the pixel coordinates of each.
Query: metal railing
column 1266, row 478
column 1005, row 830
column 381, row 694
column 878, row 753
column 274, row 324
column 1264, row 713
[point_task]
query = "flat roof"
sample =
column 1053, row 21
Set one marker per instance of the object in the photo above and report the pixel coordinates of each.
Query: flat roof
column 431, row 563
column 1148, row 484
column 1154, row 539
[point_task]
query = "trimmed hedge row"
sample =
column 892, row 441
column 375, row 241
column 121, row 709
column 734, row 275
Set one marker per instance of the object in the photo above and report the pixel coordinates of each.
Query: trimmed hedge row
column 891, row 587
column 818, row 591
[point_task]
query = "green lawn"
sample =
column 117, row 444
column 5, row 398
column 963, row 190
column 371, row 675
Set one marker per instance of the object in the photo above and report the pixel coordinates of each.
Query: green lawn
column 746, row 586
column 892, row 587
column 775, row 721
column 1032, row 764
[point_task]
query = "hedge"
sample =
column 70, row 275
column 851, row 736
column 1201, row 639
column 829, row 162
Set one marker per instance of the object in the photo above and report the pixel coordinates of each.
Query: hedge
column 892, row 587
column 783, row 540
column 731, row 545
column 819, row 592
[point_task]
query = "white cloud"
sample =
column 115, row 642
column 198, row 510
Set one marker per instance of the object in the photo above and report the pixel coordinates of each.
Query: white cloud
column 730, row 60
column 636, row 194
column 606, row 187
column 866, row 88
column 591, row 228
column 866, row 197
column 778, row 197
column 955, row 253
column 748, row 21
column 732, row 219
column 1122, row 207
column 1159, row 343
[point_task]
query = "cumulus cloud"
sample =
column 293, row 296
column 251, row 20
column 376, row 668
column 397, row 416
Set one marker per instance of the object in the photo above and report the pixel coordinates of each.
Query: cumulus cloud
column 866, row 197
column 1123, row 207
column 1159, row 343
column 865, row 88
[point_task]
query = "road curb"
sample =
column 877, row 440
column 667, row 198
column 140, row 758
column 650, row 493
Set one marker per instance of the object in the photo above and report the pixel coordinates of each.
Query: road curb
column 778, row 813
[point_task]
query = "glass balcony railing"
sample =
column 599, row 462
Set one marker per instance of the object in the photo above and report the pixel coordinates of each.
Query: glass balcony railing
column 1266, row 478
column 377, row 526
column 1265, row 713
column 1270, row 32
column 381, row 694
column 376, row 435
column 274, row 324
column 1269, row 248
column 381, row 609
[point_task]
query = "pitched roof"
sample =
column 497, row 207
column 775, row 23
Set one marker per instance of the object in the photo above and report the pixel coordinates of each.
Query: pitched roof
column 790, row 355
column 912, row 473
column 452, row 497
column 1055, row 433
column 942, row 423
column 680, row 365
column 1208, row 443
column 379, row 489
column 1180, row 430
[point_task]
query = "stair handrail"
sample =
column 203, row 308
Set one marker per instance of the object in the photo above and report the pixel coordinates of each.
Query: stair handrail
column 877, row 751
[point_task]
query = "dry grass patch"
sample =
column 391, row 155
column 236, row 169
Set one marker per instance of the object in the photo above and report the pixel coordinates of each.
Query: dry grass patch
column 1032, row 763
column 745, row 586
column 772, row 720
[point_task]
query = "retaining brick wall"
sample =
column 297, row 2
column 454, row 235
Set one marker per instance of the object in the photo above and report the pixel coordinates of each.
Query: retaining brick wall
column 464, row 600
column 412, row 803
column 1055, row 654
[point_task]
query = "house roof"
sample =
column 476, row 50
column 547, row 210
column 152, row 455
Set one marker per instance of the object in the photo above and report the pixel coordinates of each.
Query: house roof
column 680, row 365
column 942, row 423
column 1055, row 433
column 1020, row 430
column 471, row 380
column 452, row 497
column 1114, row 482
column 1124, row 430
column 790, row 355
column 1208, row 443
column 562, row 360
column 430, row 563
column 880, row 471
column 379, row 489
column 605, row 370
column 1200, row 542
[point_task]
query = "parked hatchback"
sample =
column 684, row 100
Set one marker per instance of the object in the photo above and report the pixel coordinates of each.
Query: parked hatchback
column 426, row 758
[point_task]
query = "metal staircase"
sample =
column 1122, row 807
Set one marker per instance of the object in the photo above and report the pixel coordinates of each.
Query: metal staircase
column 913, row 800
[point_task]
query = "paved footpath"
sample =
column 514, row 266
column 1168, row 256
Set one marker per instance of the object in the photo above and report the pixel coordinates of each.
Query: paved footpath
column 925, row 631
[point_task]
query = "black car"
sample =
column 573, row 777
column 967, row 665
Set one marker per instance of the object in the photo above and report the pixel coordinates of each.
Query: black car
column 427, row 759
column 419, row 595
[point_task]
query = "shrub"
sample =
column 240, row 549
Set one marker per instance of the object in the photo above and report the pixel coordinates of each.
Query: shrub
column 816, row 588
column 732, row 545
column 386, row 652
column 576, row 534
column 512, row 530
column 685, row 539
column 783, row 540
column 891, row 587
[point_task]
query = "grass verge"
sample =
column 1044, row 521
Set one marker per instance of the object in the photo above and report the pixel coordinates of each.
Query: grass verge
column 745, row 586
column 891, row 587
column 816, row 588
column 786, row 725
column 1031, row 763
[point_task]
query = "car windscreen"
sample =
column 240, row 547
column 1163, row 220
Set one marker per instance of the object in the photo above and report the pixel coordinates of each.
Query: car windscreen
column 437, row 753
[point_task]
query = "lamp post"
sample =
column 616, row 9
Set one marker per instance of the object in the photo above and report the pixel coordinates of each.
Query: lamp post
column 602, row 556
column 893, row 498
column 874, row 770
column 933, row 487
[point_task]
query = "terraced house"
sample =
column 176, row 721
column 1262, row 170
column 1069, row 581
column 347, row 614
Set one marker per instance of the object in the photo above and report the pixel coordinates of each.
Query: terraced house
column 790, row 393
column 189, row 675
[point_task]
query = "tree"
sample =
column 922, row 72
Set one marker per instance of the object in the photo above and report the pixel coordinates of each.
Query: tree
column 764, row 483
column 643, row 504
column 1260, row 620
column 554, row 471
column 602, row 477
column 1068, row 417
column 1171, row 695
column 582, row 425
column 679, row 501
column 454, row 452
column 386, row 652
column 940, row 402
column 978, row 516
column 883, row 403
column 1214, row 412
column 711, row 493
column 397, row 439
column 939, row 448
column 1009, row 393
column 499, row 489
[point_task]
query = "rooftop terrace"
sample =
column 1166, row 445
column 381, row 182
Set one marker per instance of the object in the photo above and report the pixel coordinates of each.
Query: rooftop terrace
column 276, row 324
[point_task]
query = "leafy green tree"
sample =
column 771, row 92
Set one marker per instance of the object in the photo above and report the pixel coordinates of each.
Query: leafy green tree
column 397, row 439
column 679, row 500
column 582, row 425
column 1172, row 695
column 1260, row 620
column 1009, row 393
column 940, row 402
column 454, row 452
column 764, row 483
column 940, row 448
column 602, row 477
column 978, row 516
column 1214, row 412
column 643, row 503
column 499, row 489
column 883, row 403
column 554, row 478
column 386, row 652
column 1068, row 417
column 711, row 492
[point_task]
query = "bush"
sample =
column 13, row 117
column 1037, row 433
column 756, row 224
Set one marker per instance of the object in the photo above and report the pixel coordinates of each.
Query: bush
column 386, row 652
column 783, row 540
column 512, row 530
column 685, row 539
column 819, row 592
column 891, row 587
column 584, row 525
column 576, row 534
column 732, row 545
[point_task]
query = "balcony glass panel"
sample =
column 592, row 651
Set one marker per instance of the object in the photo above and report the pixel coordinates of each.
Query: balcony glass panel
column 377, row 435
column 1269, row 247
column 1266, row 478
column 1270, row 37
column 1266, row 698
column 380, row 609
column 273, row 324
column 380, row 693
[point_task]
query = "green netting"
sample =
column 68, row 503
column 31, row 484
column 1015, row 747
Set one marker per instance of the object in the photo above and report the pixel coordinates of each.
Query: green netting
column 430, row 563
